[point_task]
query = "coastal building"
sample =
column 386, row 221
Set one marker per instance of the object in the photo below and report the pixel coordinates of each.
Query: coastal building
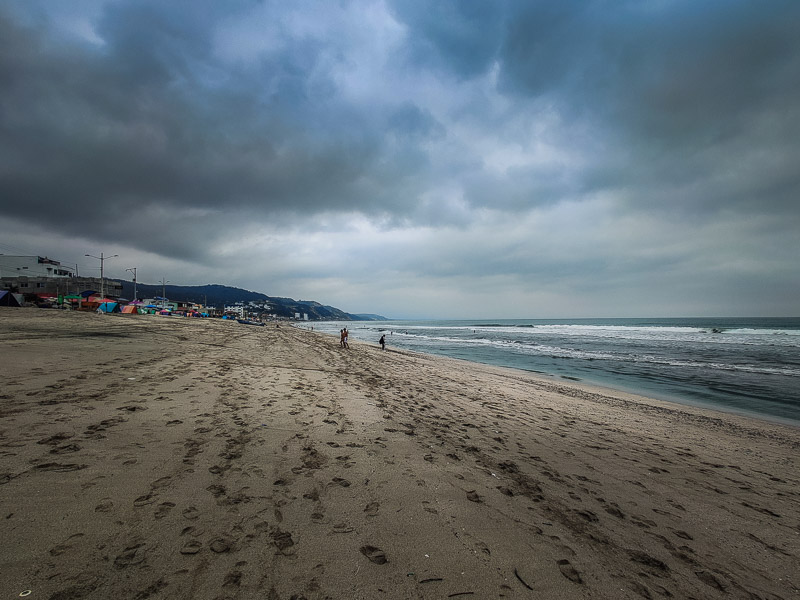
column 237, row 310
column 32, row 266
column 40, row 277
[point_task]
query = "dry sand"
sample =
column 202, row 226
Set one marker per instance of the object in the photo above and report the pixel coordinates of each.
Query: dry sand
column 152, row 457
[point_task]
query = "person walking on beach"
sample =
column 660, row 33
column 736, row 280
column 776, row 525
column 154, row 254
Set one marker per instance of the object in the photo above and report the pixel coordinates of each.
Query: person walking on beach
column 382, row 342
column 346, row 335
column 341, row 338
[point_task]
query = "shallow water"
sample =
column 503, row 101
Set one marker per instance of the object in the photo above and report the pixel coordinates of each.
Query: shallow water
column 749, row 366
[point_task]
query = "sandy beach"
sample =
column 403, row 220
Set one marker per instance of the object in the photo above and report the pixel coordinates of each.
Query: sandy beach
column 156, row 457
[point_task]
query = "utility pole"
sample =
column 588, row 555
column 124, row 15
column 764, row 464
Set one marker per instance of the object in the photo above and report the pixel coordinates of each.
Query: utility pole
column 133, row 270
column 102, row 259
column 164, row 283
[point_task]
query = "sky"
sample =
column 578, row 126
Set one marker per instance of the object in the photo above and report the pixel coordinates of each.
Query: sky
column 414, row 158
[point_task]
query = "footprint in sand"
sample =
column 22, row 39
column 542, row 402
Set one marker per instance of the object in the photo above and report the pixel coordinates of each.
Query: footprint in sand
column 232, row 579
column 105, row 505
column 144, row 500
column 372, row 509
column 191, row 547
column 159, row 483
column 568, row 571
column 220, row 545
column 63, row 547
column 59, row 467
column 312, row 495
column 65, row 449
column 54, row 440
column 473, row 496
column 132, row 555
column 163, row 509
column 282, row 540
column 375, row 555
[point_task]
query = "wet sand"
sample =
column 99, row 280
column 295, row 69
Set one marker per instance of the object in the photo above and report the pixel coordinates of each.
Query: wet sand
column 154, row 457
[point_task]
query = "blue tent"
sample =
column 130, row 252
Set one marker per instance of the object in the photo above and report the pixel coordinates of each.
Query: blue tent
column 108, row 307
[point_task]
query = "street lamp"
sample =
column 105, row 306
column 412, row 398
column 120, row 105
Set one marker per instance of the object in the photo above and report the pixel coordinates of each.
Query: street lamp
column 164, row 283
column 102, row 258
column 133, row 270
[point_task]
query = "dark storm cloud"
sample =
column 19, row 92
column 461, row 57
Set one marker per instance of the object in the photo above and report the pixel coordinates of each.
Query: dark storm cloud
column 683, row 95
column 682, row 92
column 152, row 118
column 676, row 90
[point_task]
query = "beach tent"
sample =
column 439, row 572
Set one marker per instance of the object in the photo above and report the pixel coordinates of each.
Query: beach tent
column 9, row 299
column 130, row 310
column 108, row 307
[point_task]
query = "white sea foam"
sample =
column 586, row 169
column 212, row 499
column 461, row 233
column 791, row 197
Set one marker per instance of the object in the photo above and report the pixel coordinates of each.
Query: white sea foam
column 764, row 332
column 700, row 335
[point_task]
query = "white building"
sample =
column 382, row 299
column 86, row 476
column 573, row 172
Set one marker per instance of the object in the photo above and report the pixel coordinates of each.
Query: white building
column 32, row 266
column 237, row 310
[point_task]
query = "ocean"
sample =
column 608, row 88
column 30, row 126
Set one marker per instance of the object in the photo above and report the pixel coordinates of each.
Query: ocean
column 746, row 366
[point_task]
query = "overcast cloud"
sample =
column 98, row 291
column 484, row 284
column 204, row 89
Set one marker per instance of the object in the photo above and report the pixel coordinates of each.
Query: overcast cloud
column 414, row 159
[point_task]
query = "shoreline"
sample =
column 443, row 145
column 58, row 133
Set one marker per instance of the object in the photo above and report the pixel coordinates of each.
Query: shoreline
column 146, row 457
column 598, row 387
